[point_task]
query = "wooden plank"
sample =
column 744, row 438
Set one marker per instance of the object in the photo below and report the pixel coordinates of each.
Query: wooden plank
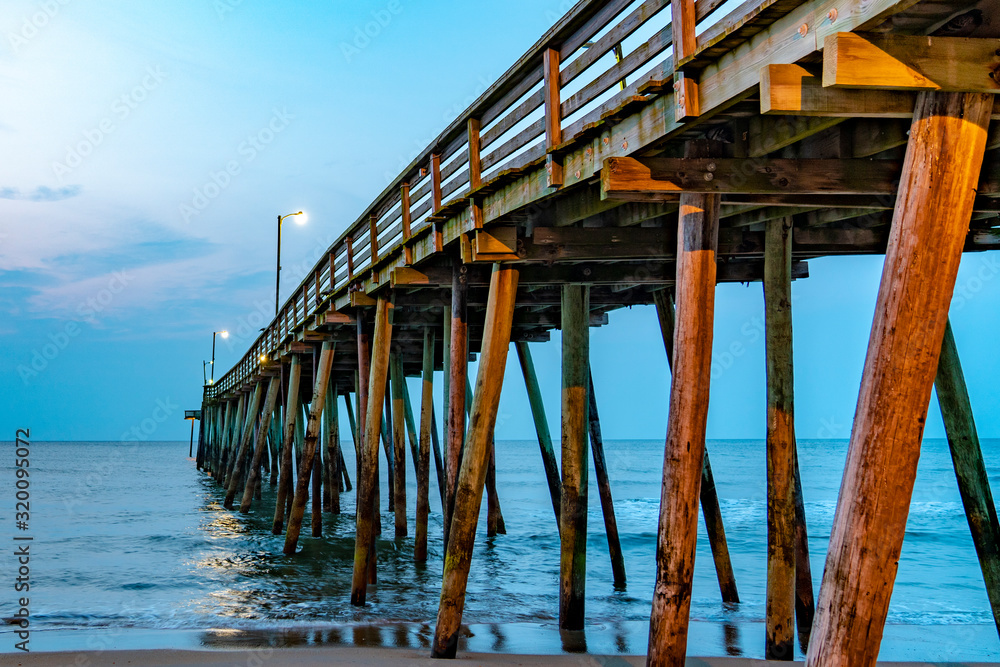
column 553, row 115
column 623, row 178
column 929, row 228
column 780, row 605
column 687, row 103
column 322, row 380
column 793, row 90
column 687, row 417
column 469, row 494
column 404, row 198
column 682, row 14
column 909, row 62
column 367, row 478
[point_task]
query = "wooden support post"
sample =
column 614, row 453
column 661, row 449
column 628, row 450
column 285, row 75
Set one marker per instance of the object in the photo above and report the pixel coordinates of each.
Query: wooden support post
column 553, row 116
column 929, row 226
column 247, row 435
column 457, row 373
column 273, row 388
column 317, row 489
column 368, row 480
column 475, row 171
column 805, row 605
column 495, row 524
column 604, row 488
column 438, row 458
column 684, row 451
column 424, row 457
column 334, row 455
column 780, row 607
column 388, row 448
column 541, row 425
column 238, row 426
column 411, row 426
column 970, row 469
column 709, row 495
column 469, row 494
column 353, row 424
column 273, row 440
column 288, row 435
column 309, row 446
column 399, row 444
column 573, row 505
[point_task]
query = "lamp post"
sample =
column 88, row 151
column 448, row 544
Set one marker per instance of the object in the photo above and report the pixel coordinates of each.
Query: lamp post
column 204, row 373
column 224, row 334
column 277, row 274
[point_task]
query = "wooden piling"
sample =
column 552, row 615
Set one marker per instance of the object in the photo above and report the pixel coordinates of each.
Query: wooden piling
column 335, row 455
column 575, row 469
column 805, row 605
column 552, row 475
column 411, row 426
column 438, row 458
column 368, row 481
column 247, row 435
column 309, row 447
column 388, row 448
column 424, row 455
column 495, row 524
column 780, row 606
column 288, row 435
column 970, row 469
column 683, row 461
column 709, row 495
column 317, row 490
column 930, row 222
column 399, row 444
column 457, row 373
column 471, row 480
column 273, row 388
column 604, row 488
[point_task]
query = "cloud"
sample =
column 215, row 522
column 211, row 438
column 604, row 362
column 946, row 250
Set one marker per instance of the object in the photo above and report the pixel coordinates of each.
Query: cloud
column 41, row 193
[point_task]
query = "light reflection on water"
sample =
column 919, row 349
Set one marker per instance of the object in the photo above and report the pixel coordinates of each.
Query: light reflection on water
column 151, row 548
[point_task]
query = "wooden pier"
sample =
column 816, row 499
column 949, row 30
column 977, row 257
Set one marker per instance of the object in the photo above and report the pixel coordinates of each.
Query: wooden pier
column 635, row 156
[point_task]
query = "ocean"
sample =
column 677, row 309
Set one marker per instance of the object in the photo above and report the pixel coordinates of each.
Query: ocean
column 132, row 548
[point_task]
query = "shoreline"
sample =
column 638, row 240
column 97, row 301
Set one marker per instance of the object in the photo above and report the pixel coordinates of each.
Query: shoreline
column 365, row 657
column 728, row 644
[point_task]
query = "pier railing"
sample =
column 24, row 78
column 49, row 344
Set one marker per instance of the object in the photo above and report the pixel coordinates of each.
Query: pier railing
column 598, row 58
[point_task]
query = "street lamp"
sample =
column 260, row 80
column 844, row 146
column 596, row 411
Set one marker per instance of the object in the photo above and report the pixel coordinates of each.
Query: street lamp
column 277, row 276
column 224, row 334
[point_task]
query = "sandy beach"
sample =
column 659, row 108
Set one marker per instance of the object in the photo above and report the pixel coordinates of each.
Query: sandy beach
column 363, row 657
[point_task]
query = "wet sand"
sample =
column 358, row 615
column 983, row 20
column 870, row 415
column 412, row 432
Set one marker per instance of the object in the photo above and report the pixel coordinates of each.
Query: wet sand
column 362, row 657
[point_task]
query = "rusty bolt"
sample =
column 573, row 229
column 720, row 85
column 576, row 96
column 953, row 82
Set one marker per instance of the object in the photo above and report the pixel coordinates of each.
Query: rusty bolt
column 607, row 140
column 711, row 166
column 709, row 176
column 578, row 173
column 590, row 151
column 625, row 145
column 832, row 15
column 783, row 181
column 803, row 29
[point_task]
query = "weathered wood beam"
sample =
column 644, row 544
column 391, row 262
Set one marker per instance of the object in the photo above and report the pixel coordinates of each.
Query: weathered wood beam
column 651, row 178
column 970, row 469
column 604, row 488
column 469, row 494
column 687, row 417
column 537, row 405
column 780, row 605
column 911, row 62
column 930, row 223
column 457, row 372
column 423, row 460
column 794, row 90
column 399, row 445
column 368, row 479
column 273, row 388
column 291, row 408
column 573, row 505
column 253, row 409
column 309, row 446
column 709, row 495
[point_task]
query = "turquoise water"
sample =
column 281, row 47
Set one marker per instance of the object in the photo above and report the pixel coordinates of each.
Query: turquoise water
column 132, row 543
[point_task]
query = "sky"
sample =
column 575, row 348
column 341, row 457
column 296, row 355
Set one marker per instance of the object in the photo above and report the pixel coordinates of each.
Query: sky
column 146, row 149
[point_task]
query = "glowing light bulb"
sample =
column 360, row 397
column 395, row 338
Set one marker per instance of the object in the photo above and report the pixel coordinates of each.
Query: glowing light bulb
column 224, row 334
